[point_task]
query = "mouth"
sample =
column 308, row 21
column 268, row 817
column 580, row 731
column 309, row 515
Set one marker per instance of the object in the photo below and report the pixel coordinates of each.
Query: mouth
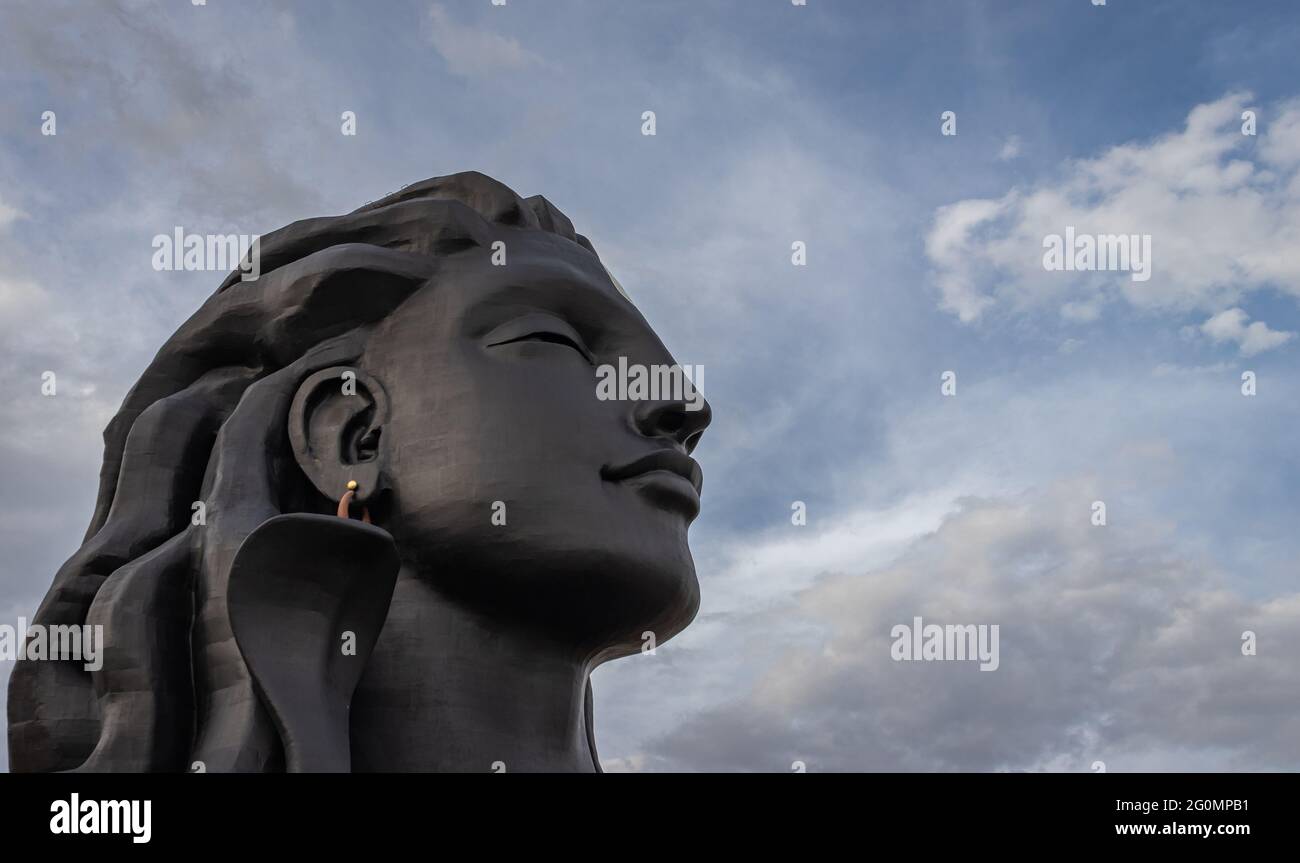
column 668, row 476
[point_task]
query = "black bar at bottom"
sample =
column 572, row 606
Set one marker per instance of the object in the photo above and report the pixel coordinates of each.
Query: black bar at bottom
column 208, row 812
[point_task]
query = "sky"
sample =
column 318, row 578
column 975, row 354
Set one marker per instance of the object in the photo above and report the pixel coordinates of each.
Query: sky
column 775, row 123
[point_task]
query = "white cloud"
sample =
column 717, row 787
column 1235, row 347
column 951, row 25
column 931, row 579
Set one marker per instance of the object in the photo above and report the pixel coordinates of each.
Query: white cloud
column 471, row 52
column 1230, row 326
column 8, row 215
column 949, row 245
column 1082, row 311
column 21, row 303
column 1223, row 213
column 1280, row 147
column 1010, row 149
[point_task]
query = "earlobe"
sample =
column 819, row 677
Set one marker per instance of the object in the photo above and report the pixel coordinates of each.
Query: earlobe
column 304, row 588
column 336, row 431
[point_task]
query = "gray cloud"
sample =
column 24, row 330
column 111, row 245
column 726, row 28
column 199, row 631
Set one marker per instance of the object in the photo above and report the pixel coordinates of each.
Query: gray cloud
column 1114, row 647
column 471, row 51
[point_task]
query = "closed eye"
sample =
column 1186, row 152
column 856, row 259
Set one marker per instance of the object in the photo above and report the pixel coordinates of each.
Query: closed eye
column 539, row 328
column 553, row 338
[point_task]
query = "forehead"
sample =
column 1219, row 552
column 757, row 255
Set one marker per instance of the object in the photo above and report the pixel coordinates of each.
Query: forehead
column 540, row 270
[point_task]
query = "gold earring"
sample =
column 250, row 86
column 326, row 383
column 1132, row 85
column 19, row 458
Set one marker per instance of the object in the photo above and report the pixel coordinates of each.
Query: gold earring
column 345, row 503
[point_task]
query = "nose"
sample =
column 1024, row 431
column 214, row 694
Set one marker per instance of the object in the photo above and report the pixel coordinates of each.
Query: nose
column 671, row 419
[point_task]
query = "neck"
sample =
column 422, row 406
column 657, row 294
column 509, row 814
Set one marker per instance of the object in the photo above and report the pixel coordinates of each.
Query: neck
column 447, row 691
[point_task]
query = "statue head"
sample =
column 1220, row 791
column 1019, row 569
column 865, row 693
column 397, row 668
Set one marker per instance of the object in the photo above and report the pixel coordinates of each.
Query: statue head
column 437, row 348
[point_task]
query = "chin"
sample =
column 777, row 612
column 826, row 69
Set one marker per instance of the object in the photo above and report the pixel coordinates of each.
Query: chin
column 602, row 610
column 599, row 587
column 639, row 596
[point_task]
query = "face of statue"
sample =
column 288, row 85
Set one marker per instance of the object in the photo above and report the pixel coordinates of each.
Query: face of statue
column 514, row 487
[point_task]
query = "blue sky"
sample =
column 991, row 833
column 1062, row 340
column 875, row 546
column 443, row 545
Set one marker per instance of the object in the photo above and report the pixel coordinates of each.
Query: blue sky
column 778, row 123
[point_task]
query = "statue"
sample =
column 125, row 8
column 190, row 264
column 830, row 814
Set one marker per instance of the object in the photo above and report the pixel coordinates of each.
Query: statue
column 366, row 512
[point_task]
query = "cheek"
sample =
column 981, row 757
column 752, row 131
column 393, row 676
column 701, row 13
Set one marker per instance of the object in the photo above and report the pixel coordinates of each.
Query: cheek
column 538, row 402
column 528, row 433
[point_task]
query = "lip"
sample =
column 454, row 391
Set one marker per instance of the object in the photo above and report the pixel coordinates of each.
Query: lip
column 668, row 471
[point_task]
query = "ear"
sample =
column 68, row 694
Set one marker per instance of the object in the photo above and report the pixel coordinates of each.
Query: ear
column 336, row 426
